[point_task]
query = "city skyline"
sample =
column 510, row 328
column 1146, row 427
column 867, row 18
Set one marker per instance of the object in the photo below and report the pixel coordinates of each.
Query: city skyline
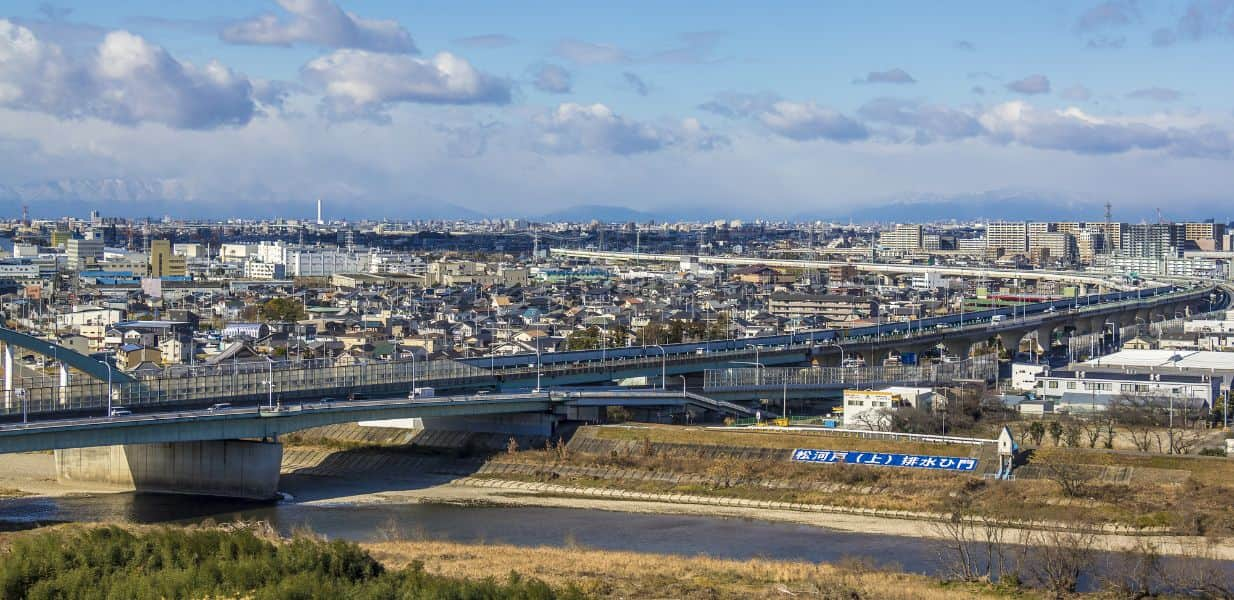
column 256, row 109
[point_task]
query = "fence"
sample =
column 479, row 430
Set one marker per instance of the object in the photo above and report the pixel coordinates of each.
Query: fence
column 241, row 380
column 980, row 367
column 1094, row 344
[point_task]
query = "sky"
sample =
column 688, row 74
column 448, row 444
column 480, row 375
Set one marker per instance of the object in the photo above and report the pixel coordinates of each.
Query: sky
column 405, row 110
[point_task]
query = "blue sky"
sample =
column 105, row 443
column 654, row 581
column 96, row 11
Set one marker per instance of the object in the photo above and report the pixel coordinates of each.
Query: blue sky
column 775, row 109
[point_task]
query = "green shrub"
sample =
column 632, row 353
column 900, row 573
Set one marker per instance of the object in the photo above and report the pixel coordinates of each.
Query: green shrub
column 113, row 563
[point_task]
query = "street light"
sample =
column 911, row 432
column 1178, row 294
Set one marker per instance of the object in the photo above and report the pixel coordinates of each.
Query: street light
column 108, row 365
column 758, row 367
column 270, row 380
column 538, row 363
column 663, row 365
column 683, row 384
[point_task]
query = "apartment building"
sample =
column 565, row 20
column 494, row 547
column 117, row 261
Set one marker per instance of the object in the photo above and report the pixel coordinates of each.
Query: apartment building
column 1012, row 238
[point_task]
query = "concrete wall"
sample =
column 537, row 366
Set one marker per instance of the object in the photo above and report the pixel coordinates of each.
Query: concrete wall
column 515, row 424
column 233, row 468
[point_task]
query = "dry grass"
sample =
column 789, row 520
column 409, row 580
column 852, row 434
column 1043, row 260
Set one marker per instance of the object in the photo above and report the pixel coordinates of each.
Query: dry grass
column 612, row 574
column 1193, row 506
column 754, row 437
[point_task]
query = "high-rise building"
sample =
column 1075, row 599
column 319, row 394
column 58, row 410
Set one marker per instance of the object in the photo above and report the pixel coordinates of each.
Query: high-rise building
column 1011, row 237
column 165, row 263
column 1153, row 240
column 1199, row 232
column 80, row 254
column 1054, row 246
column 901, row 237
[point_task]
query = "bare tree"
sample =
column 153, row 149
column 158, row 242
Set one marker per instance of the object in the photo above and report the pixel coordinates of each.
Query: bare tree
column 1141, row 417
column 1058, row 558
column 1138, row 573
column 876, row 419
column 973, row 548
column 1072, row 478
column 1201, row 573
column 1092, row 428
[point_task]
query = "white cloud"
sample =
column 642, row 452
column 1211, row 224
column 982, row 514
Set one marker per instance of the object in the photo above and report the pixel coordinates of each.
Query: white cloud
column 581, row 128
column 552, row 79
column 807, row 121
column 1073, row 130
column 1031, row 85
column 361, row 83
column 323, row 23
column 126, row 80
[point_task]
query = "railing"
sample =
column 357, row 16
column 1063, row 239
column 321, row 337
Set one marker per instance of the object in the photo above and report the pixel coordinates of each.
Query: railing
column 249, row 380
column 882, row 435
column 979, row 367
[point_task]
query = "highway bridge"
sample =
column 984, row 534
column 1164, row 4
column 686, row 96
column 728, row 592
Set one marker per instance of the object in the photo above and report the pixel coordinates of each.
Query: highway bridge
column 1074, row 277
column 234, row 451
column 308, row 380
column 174, row 442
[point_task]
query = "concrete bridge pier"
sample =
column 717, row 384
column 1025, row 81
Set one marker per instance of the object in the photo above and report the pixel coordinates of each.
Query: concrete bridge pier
column 230, row 468
column 873, row 357
column 1044, row 338
column 1097, row 325
column 959, row 347
column 1011, row 340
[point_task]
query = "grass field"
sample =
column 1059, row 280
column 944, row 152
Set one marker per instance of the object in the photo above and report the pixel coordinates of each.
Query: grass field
column 755, row 437
column 610, row 574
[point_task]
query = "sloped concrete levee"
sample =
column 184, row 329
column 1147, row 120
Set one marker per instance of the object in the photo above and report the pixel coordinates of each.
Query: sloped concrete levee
column 232, row 468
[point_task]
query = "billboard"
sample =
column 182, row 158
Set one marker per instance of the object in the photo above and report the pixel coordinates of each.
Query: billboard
column 886, row 459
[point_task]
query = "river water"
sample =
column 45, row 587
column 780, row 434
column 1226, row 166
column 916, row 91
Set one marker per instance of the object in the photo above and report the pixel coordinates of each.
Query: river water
column 522, row 526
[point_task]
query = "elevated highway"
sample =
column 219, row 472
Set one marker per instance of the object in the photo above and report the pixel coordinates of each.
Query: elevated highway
column 887, row 268
column 268, row 423
column 310, row 380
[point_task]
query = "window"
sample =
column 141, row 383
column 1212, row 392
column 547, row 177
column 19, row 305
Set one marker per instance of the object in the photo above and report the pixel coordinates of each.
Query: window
column 1053, row 385
column 1071, row 385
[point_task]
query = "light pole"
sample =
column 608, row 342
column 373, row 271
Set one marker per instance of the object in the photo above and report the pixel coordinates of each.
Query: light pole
column 270, row 381
column 758, row 368
column 108, row 365
column 538, row 363
column 683, row 384
column 21, row 393
column 413, row 372
column 663, row 365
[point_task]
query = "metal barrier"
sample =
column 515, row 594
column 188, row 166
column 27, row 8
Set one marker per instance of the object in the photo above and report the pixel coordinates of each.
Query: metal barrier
column 978, row 367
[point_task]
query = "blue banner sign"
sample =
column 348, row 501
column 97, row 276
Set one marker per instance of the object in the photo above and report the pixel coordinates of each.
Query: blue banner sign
column 885, row 459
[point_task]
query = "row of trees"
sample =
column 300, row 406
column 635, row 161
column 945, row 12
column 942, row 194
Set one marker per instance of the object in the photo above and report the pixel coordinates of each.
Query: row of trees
column 978, row 548
column 1151, row 423
column 112, row 562
column 656, row 332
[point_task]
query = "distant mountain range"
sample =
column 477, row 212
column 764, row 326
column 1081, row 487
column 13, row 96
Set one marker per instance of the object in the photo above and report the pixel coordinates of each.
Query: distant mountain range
column 1009, row 205
column 136, row 197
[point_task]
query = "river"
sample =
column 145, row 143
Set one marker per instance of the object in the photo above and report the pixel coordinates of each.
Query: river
column 521, row 526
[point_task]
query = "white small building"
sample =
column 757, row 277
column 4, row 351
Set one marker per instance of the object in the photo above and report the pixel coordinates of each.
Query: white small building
column 1024, row 376
column 871, row 409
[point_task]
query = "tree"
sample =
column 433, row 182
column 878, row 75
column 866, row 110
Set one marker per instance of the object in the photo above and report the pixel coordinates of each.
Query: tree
column 282, row 309
column 1140, row 416
column 584, row 339
column 1056, row 431
column 1070, row 477
column 1036, row 431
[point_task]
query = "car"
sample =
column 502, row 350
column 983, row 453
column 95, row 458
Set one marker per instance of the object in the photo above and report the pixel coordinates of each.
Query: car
column 119, row 411
column 219, row 406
